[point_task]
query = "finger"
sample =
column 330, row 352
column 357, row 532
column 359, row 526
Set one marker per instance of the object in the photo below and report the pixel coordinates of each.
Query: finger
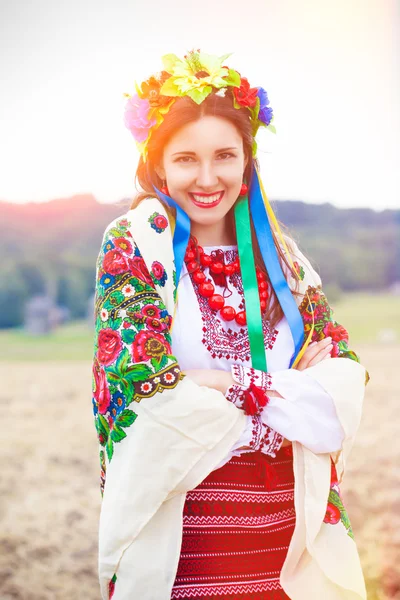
column 313, row 349
column 321, row 356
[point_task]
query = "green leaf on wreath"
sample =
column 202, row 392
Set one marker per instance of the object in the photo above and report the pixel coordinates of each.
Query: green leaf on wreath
column 233, row 78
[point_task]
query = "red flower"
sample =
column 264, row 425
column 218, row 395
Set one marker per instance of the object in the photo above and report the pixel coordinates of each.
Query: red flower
column 148, row 345
column 334, row 478
column 138, row 269
column 336, row 332
column 151, row 311
column 332, row 514
column 123, row 244
column 110, row 346
column 156, row 324
column 101, row 393
column 161, row 222
column 245, row 95
column 114, row 262
column 158, row 269
column 335, row 350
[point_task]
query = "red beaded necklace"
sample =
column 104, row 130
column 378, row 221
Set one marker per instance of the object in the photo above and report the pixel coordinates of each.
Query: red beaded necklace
column 206, row 287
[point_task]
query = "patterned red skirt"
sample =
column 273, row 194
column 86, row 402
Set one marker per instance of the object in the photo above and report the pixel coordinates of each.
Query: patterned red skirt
column 237, row 527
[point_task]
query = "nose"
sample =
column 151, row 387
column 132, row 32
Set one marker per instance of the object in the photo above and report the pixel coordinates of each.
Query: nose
column 206, row 176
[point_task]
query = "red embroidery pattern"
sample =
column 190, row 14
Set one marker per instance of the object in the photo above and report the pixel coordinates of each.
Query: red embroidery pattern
column 264, row 438
column 247, row 375
column 222, row 343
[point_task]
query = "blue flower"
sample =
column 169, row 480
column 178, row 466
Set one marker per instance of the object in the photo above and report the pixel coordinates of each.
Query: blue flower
column 108, row 246
column 265, row 114
column 117, row 404
column 107, row 280
column 137, row 252
column 95, row 408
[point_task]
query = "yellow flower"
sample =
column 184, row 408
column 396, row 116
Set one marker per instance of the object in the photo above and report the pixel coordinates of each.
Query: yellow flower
column 196, row 75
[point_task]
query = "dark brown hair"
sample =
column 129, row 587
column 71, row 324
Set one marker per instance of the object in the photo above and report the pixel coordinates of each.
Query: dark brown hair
column 184, row 111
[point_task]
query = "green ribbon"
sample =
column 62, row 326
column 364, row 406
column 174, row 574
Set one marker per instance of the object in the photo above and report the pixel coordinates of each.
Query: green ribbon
column 250, row 284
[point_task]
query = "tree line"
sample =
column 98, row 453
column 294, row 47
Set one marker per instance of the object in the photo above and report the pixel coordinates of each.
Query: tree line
column 52, row 248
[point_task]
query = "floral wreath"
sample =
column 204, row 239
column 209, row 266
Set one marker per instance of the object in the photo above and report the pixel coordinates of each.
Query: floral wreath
column 194, row 76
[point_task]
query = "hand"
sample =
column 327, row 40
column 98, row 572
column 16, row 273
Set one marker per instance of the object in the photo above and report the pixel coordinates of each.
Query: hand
column 315, row 353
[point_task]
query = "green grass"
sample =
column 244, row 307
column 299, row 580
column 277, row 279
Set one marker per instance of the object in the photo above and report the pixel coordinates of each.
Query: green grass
column 363, row 315
column 73, row 341
column 366, row 315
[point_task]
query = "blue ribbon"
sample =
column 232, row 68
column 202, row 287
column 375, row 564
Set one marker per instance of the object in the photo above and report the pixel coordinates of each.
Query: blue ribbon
column 272, row 264
column 181, row 233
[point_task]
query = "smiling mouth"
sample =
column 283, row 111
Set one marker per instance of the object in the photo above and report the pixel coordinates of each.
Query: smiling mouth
column 206, row 200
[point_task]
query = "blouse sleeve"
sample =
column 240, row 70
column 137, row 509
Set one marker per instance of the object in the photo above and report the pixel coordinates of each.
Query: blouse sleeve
column 306, row 413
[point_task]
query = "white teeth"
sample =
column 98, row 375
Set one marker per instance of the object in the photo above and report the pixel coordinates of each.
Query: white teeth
column 208, row 199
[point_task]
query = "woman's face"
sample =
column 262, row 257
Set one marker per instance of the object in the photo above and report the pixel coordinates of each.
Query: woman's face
column 203, row 165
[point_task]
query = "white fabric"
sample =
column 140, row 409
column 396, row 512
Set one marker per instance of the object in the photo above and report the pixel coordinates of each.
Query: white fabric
column 306, row 412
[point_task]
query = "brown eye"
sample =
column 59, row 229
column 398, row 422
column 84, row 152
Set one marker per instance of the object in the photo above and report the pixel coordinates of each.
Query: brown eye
column 228, row 154
column 181, row 159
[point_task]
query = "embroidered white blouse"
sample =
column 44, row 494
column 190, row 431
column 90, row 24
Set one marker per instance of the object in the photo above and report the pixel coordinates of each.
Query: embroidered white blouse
column 201, row 339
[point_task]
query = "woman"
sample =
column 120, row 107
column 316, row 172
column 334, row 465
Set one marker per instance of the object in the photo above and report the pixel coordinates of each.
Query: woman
column 219, row 423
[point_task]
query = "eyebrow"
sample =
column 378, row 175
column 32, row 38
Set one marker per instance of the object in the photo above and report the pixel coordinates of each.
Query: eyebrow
column 194, row 153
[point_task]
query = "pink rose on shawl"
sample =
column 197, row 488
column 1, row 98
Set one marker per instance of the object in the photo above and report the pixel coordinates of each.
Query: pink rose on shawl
column 157, row 269
column 148, row 345
column 138, row 269
column 101, row 392
column 160, row 221
column 114, row 262
column 136, row 118
column 110, row 346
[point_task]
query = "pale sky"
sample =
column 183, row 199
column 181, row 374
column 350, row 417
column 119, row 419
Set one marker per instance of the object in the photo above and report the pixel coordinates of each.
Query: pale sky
column 331, row 70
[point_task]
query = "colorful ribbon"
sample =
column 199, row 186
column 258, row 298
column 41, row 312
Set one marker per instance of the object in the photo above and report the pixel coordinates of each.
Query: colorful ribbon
column 250, row 286
column 272, row 264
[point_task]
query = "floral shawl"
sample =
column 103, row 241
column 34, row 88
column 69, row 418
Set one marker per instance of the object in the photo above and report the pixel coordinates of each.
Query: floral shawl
column 160, row 434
